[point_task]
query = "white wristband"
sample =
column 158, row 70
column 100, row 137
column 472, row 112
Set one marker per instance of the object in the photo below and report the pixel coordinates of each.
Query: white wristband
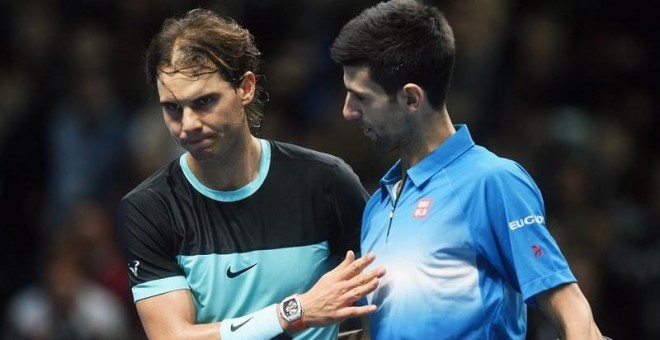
column 262, row 324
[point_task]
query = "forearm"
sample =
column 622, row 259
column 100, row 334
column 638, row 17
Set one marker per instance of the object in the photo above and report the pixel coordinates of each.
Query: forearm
column 329, row 301
column 181, row 330
column 209, row 331
column 580, row 325
column 569, row 311
column 172, row 316
column 263, row 324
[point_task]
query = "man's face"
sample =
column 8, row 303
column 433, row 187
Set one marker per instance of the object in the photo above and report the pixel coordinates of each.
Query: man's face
column 204, row 113
column 383, row 119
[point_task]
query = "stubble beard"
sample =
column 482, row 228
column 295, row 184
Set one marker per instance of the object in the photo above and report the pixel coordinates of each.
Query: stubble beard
column 398, row 139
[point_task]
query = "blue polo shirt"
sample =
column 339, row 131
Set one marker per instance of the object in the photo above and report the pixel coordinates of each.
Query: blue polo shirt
column 467, row 246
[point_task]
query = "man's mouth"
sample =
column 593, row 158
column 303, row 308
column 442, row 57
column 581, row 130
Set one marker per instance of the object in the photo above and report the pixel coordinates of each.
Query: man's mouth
column 198, row 142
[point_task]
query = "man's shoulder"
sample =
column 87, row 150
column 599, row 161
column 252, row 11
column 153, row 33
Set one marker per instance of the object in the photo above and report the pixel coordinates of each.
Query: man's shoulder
column 485, row 163
column 480, row 167
column 159, row 182
column 283, row 151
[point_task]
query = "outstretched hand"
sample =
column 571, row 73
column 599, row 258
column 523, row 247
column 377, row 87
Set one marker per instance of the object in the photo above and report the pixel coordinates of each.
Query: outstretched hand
column 332, row 297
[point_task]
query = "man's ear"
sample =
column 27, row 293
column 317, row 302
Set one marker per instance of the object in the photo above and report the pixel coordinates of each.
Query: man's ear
column 247, row 88
column 411, row 96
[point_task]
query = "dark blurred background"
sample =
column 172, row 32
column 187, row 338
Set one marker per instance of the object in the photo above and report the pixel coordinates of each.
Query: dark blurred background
column 566, row 88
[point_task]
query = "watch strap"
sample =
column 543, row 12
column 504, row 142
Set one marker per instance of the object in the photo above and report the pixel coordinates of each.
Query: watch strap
column 295, row 324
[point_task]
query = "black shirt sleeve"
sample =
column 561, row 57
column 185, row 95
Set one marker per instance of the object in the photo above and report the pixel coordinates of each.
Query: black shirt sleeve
column 348, row 199
column 147, row 238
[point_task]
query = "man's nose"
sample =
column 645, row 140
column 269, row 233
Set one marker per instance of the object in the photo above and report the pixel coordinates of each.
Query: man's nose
column 350, row 112
column 190, row 121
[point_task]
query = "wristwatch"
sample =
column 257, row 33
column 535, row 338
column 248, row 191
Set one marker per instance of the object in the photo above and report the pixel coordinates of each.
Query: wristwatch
column 292, row 311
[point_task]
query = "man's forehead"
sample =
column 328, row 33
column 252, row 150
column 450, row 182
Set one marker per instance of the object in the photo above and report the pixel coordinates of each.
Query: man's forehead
column 182, row 85
column 185, row 65
column 191, row 73
column 356, row 76
column 356, row 72
column 358, row 79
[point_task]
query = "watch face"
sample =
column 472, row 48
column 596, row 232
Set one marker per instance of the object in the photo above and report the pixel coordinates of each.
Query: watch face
column 291, row 307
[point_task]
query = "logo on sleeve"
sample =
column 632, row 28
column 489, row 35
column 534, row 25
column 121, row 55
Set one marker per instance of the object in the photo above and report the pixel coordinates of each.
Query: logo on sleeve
column 231, row 274
column 537, row 250
column 133, row 266
column 422, row 208
column 522, row 222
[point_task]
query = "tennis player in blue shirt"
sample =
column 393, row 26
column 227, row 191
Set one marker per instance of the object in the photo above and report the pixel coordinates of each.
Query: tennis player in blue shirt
column 461, row 231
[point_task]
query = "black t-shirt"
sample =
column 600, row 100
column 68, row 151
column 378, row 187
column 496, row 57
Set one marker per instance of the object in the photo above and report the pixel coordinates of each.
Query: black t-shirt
column 240, row 251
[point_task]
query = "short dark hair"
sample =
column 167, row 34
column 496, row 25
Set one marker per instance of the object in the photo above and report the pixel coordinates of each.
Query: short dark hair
column 400, row 41
column 190, row 42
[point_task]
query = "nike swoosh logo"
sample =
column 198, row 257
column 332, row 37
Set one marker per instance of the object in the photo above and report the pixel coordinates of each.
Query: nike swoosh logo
column 232, row 275
column 234, row 328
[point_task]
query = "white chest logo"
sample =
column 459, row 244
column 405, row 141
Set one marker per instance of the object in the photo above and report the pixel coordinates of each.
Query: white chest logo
column 422, row 208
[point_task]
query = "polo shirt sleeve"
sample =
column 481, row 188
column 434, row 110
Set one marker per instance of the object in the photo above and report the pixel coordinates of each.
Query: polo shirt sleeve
column 148, row 247
column 528, row 256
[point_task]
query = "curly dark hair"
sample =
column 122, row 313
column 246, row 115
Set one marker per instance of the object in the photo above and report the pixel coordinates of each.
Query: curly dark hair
column 191, row 43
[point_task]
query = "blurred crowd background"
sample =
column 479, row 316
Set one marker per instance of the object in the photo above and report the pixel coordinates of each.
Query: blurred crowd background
column 568, row 88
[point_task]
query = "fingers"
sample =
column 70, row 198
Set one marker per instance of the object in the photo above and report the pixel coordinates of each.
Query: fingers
column 356, row 284
column 350, row 267
column 362, row 285
column 331, row 299
column 363, row 278
column 350, row 257
column 367, row 277
column 355, row 311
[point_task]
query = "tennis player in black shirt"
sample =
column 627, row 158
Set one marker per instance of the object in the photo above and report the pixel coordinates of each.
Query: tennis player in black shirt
column 237, row 239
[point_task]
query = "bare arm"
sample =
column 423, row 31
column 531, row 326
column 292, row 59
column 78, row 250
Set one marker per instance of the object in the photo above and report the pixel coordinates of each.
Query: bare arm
column 569, row 311
column 172, row 315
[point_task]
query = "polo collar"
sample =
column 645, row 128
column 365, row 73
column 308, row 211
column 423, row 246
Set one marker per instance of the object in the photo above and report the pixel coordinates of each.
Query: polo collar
column 451, row 149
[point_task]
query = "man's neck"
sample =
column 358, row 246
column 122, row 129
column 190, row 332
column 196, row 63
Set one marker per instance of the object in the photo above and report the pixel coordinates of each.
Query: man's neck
column 237, row 167
column 431, row 134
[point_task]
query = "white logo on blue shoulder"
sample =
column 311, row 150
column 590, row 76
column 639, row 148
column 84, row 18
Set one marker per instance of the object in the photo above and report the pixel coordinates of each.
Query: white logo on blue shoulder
column 531, row 219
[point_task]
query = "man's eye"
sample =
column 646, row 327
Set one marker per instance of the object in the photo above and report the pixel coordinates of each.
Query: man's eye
column 171, row 107
column 205, row 101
